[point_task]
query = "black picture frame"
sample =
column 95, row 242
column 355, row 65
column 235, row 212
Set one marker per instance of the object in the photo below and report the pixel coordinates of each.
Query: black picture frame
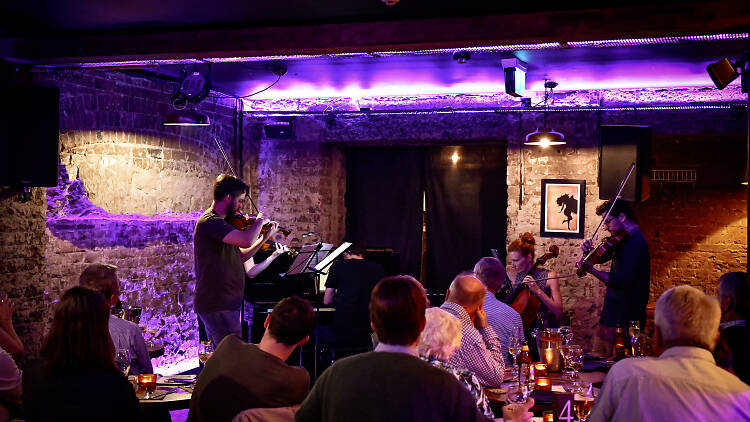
column 565, row 198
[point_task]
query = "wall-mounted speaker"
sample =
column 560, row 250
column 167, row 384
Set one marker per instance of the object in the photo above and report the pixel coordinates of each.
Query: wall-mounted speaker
column 279, row 130
column 621, row 146
column 29, row 139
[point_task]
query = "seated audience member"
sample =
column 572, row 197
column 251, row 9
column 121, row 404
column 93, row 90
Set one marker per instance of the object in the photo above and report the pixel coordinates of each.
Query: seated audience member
column 348, row 289
column 125, row 334
column 10, row 375
column 10, row 386
column 9, row 340
column 683, row 383
column 731, row 352
column 439, row 339
column 241, row 375
column 480, row 347
column 391, row 383
column 77, row 378
column 501, row 317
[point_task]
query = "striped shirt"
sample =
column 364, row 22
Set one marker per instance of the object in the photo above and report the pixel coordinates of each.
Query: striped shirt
column 501, row 318
column 480, row 349
column 126, row 335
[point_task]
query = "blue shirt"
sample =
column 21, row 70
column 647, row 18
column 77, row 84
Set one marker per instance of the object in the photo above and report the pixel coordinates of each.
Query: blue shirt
column 501, row 318
column 126, row 335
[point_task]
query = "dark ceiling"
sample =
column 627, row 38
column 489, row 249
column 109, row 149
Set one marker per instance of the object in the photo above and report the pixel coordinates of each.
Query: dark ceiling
column 67, row 32
column 97, row 16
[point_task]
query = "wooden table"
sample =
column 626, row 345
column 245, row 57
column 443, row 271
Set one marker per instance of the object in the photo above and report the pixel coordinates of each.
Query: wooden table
column 178, row 395
column 496, row 396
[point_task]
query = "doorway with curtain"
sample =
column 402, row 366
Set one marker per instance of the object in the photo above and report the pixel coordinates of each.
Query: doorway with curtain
column 440, row 208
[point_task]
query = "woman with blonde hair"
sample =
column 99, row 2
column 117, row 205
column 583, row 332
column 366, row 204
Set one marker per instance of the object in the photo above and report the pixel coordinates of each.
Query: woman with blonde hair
column 439, row 339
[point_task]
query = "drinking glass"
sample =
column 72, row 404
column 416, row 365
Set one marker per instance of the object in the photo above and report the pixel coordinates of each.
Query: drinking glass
column 205, row 351
column 518, row 393
column 515, row 342
column 634, row 331
column 575, row 358
column 583, row 400
column 566, row 333
column 122, row 359
column 147, row 385
column 638, row 345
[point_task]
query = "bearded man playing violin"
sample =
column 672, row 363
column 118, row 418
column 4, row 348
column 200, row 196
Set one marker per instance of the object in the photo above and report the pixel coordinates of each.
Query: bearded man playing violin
column 629, row 278
column 220, row 251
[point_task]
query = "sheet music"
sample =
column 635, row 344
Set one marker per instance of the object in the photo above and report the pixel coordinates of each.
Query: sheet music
column 331, row 256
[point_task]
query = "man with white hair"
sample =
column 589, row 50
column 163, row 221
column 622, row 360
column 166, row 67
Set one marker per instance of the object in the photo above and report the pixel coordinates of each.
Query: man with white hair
column 683, row 383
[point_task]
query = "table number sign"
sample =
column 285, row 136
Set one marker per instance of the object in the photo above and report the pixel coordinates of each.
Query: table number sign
column 562, row 405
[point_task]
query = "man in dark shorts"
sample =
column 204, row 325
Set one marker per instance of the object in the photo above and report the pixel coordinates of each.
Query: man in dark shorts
column 220, row 251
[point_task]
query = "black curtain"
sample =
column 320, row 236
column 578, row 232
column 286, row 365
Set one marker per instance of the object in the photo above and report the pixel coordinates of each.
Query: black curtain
column 466, row 209
column 384, row 201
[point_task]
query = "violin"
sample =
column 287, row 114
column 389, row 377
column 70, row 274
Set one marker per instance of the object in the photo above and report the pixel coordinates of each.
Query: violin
column 242, row 221
column 521, row 299
column 603, row 252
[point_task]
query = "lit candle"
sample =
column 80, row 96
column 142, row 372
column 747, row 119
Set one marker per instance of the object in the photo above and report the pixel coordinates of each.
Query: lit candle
column 548, row 416
column 543, row 384
column 540, row 369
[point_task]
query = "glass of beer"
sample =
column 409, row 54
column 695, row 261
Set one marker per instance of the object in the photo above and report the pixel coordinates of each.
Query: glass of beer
column 205, row 351
column 146, row 385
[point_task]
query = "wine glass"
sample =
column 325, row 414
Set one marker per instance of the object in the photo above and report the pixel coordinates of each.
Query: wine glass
column 566, row 333
column 634, row 331
column 122, row 359
column 205, row 351
column 583, row 400
column 515, row 342
column 575, row 357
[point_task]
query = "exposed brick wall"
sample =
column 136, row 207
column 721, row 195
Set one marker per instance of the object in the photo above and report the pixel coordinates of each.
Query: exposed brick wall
column 130, row 192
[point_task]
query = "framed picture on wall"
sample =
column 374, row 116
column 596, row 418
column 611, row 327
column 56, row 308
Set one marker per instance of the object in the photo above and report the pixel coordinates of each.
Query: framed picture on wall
column 563, row 208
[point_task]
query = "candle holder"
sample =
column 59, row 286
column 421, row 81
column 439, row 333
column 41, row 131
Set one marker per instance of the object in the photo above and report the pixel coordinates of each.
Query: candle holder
column 548, row 416
column 543, row 384
column 540, row 369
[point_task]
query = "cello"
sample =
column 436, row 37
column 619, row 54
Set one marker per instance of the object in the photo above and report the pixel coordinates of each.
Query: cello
column 521, row 299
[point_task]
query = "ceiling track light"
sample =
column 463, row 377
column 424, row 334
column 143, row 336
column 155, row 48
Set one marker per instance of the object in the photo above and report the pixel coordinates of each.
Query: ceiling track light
column 546, row 137
column 462, row 56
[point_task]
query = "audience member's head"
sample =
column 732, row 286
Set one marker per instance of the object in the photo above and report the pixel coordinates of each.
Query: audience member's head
column 466, row 290
column 491, row 272
column 103, row 279
column 397, row 310
column 441, row 335
column 732, row 294
column 685, row 316
column 79, row 337
column 291, row 321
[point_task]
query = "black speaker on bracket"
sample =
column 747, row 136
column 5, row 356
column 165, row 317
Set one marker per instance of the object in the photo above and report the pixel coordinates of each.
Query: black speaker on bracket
column 279, row 130
column 621, row 146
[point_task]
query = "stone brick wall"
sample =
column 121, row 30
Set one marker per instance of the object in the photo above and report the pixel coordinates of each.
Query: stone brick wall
column 129, row 193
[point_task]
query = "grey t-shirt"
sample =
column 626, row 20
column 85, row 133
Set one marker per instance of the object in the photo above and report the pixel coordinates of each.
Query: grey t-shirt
column 220, row 276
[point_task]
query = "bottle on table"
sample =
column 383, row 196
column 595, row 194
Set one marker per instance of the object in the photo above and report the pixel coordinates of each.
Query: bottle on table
column 525, row 373
column 620, row 347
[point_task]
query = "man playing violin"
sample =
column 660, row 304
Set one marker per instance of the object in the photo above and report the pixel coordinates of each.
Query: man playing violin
column 220, row 251
column 629, row 278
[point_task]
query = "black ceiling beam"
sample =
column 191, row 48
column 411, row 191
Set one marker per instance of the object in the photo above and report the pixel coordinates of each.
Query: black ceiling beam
column 688, row 18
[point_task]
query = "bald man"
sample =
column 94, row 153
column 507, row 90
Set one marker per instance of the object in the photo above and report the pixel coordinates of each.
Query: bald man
column 480, row 347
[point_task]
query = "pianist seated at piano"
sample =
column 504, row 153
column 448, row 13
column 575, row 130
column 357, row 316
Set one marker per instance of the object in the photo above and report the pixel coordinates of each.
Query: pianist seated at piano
column 348, row 287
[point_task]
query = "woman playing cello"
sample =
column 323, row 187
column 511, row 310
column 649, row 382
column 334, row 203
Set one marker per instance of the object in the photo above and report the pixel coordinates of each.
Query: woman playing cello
column 541, row 282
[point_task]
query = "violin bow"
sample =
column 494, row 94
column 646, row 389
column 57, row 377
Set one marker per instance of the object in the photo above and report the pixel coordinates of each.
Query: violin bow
column 224, row 154
column 612, row 204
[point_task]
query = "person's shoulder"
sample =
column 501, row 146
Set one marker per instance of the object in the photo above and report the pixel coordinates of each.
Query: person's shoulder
column 124, row 325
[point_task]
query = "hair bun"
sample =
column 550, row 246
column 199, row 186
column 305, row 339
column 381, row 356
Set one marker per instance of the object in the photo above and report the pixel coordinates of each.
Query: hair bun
column 528, row 238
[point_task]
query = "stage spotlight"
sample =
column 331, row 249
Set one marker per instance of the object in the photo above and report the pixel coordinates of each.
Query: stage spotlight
column 722, row 72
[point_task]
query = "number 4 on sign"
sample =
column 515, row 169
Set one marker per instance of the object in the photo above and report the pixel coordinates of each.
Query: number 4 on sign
column 561, row 404
column 564, row 414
